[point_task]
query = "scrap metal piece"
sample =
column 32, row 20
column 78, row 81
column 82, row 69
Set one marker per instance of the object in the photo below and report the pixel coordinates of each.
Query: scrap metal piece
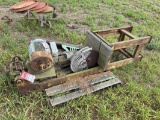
column 69, row 48
column 26, row 8
column 41, row 60
column 22, row 4
column 54, row 50
column 63, row 62
column 40, row 5
column 41, row 9
column 41, row 18
column 25, row 87
column 16, row 66
column 40, row 55
column 48, row 9
column 84, row 59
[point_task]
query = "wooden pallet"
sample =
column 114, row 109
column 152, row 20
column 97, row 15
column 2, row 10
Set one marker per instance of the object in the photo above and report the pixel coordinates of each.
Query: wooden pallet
column 93, row 85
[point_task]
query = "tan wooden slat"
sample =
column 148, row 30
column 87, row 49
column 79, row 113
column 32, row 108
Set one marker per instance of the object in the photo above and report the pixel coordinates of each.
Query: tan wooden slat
column 65, row 98
column 112, row 31
column 128, row 34
column 123, row 62
column 133, row 42
column 125, row 53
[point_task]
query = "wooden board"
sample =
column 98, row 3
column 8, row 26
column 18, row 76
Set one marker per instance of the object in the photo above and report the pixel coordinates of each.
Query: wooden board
column 106, row 79
column 92, row 41
column 113, row 31
column 94, row 88
column 105, row 53
column 132, row 42
column 60, row 88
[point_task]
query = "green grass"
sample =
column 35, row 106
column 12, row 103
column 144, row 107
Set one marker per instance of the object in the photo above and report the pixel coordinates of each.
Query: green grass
column 138, row 97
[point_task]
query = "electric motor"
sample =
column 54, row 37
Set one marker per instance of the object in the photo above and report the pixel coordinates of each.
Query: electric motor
column 84, row 59
column 40, row 55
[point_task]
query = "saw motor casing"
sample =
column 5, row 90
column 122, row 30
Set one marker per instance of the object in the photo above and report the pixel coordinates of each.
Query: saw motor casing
column 42, row 55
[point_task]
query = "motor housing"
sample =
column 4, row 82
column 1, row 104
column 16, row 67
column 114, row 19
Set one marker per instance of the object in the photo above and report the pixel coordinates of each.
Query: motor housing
column 40, row 55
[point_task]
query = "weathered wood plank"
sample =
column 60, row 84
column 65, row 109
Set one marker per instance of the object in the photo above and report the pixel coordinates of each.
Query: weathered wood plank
column 112, row 31
column 65, row 98
column 122, row 35
column 122, row 62
column 125, row 53
column 105, row 53
column 138, row 50
column 103, row 40
column 128, row 34
column 60, row 80
column 133, row 42
column 92, row 41
column 60, row 88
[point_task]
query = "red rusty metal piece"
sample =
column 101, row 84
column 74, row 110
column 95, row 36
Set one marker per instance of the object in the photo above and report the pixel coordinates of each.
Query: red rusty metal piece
column 26, row 8
column 39, row 6
column 49, row 9
column 41, row 60
column 22, row 4
column 41, row 9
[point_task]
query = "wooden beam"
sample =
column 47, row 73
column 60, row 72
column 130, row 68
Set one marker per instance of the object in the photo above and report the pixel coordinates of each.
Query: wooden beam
column 133, row 42
column 138, row 50
column 94, row 88
column 105, row 41
column 123, row 62
column 56, row 81
column 112, row 31
column 61, row 89
column 128, row 34
column 125, row 53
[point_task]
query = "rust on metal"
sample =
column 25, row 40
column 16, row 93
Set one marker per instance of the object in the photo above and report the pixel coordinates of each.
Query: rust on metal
column 26, row 87
column 41, row 9
column 26, row 8
column 40, row 5
column 22, row 4
column 41, row 60
column 16, row 66
column 48, row 9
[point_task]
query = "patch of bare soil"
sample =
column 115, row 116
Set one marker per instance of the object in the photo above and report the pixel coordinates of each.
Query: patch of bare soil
column 5, row 11
column 75, row 18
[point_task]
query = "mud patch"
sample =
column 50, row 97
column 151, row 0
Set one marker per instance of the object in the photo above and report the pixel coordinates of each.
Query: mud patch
column 5, row 11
